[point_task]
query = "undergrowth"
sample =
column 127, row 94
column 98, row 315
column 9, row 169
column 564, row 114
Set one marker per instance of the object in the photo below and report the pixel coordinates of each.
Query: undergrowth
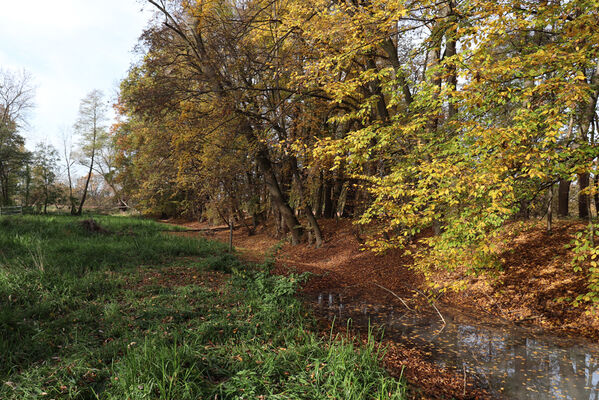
column 79, row 320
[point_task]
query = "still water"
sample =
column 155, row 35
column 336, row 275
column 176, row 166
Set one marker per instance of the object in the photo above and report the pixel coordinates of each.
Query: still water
column 509, row 361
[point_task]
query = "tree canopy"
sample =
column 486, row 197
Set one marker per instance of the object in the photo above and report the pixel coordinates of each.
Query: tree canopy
column 409, row 116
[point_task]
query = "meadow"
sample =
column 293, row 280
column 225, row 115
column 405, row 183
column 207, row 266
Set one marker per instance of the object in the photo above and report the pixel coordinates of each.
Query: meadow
column 130, row 311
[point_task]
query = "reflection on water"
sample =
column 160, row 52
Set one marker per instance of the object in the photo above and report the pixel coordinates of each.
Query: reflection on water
column 509, row 361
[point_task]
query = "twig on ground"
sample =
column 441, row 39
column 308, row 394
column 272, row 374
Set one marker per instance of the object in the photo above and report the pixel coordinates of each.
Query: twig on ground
column 434, row 306
column 394, row 294
column 494, row 302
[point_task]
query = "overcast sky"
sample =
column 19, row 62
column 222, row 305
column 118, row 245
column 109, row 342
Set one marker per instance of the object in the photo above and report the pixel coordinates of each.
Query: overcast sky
column 70, row 47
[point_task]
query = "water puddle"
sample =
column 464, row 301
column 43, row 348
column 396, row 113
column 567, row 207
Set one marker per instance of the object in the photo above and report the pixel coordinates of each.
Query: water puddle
column 509, row 361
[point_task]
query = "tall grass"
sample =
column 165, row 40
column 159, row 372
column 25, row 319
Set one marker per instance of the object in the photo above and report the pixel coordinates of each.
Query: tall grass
column 253, row 342
column 76, row 324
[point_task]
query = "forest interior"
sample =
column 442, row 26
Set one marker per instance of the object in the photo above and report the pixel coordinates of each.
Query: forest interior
column 349, row 199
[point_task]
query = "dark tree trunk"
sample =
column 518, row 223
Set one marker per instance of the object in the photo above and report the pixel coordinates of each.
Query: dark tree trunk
column 350, row 201
column 391, row 50
column 524, row 212
column 327, row 203
column 563, row 198
column 437, row 227
column 230, row 234
column 27, row 185
column 452, row 77
column 318, row 202
column 276, row 216
column 583, row 199
column 550, row 210
column 586, row 123
column 274, row 189
column 375, row 87
column 283, row 226
column 337, row 190
column 305, row 206
column 91, row 168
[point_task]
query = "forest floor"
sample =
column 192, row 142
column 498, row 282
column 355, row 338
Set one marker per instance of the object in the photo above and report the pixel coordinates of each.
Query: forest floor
column 535, row 282
column 535, row 272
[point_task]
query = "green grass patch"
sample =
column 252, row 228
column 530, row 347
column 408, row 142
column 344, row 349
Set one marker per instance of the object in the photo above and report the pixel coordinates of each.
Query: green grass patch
column 134, row 313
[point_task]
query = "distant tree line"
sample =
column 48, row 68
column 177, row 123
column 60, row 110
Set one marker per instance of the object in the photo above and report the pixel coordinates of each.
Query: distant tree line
column 40, row 178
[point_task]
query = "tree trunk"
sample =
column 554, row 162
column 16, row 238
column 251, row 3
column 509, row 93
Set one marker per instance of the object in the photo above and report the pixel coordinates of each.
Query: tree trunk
column 27, row 185
column 305, row 206
column 586, row 122
column 273, row 187
column 276, row 216
column 318, row 202
column 230, row 234
column 4, row 185
column 550, row 210
column 91, row 167
column 524, row 212
column 436, row 80
column 327, row 201
column 563, row 198
column 452, row 78
column 391, row 50
column 338, row 188
column 283, row 226
column 583, row 199
column 250, row 228
column 375, row 87
column 67, row 157
column 437, row 228
column 350, row 200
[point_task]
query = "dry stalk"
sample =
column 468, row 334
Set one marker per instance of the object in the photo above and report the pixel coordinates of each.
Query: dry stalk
column 394, row 294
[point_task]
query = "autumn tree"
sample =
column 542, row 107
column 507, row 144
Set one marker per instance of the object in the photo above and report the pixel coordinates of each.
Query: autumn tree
column 146, row 163
column 464, row 155
column 245, row 93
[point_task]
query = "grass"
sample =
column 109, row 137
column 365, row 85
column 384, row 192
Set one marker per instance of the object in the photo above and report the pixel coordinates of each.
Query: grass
column 139, row 314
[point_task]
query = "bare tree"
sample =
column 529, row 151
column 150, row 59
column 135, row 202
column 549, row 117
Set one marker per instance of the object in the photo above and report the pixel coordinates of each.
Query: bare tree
column 16, row 98
column 106, row 164
column 92, row 115
column 67, row 146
